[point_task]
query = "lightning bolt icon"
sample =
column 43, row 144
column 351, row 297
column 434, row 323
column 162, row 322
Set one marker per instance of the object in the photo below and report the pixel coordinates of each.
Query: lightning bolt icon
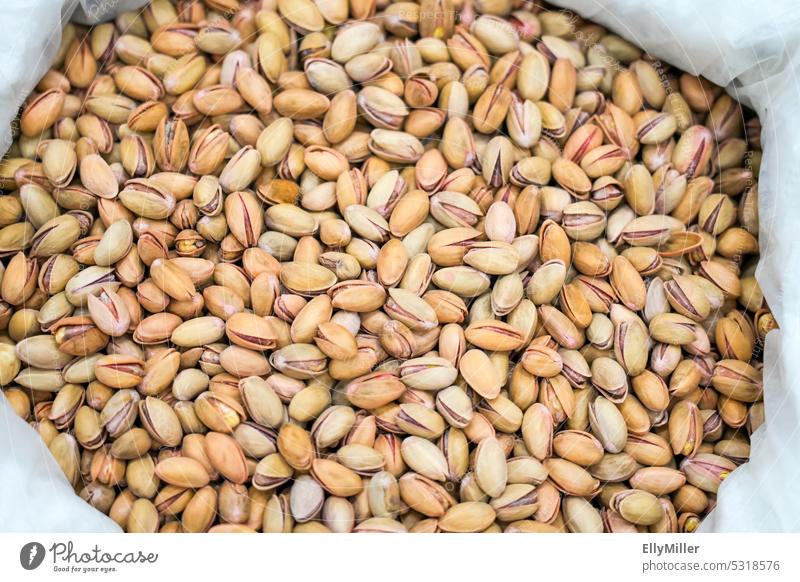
column 34, row 551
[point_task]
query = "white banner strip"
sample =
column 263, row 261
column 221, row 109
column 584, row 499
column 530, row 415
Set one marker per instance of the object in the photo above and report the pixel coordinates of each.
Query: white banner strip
column 401, row 558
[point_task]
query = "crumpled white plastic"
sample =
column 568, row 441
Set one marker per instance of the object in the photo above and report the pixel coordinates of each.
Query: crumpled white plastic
column 753, row 49
column 34, row 494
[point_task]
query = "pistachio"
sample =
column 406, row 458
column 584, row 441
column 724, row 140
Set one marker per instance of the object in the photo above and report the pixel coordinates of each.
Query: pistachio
column 438, row 267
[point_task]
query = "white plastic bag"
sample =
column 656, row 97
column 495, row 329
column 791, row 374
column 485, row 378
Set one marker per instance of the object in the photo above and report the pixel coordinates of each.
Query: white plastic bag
column 753, row 49
column 34, row 494
column 30, row 39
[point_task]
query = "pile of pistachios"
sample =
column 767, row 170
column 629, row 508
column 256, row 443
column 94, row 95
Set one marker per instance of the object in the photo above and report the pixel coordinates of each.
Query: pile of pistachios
column 363, row 266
